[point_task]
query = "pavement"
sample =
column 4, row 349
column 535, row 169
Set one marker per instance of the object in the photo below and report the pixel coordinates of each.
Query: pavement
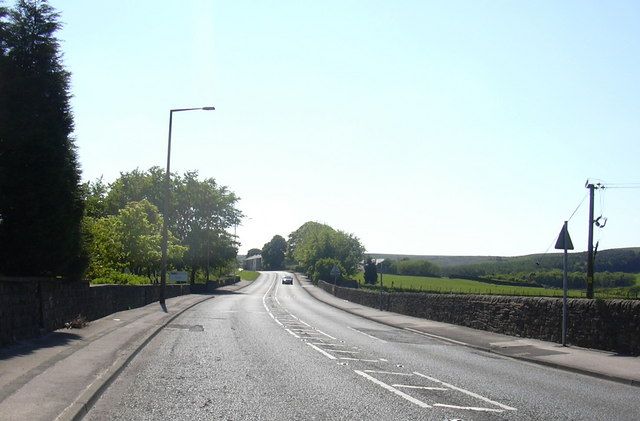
column 602, row 364
column 59, row 375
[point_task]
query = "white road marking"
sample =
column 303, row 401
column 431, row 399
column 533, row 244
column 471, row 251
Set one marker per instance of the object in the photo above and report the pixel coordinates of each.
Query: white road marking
column 408, row 386
column 459, row 389
column 344, row 351
column 365, row 334
column 326, row 334
column 292, row 333
column 472, row 408
column 298, row 319
column 322, row 351
column 358, row 359
column 327, row 344
column 393, row 389
column 388, row 372
column 431, row 335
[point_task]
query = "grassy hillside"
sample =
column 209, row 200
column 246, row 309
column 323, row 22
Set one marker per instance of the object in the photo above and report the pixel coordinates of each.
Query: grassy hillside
column 612, row 260
column 466, row 286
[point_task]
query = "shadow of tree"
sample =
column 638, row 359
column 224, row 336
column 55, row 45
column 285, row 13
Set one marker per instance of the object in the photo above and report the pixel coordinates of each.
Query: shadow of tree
column 27, row 347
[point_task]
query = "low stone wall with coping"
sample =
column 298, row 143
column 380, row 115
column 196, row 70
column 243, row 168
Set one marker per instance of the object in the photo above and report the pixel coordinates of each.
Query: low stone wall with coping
column 32, row 306
column 612, row 325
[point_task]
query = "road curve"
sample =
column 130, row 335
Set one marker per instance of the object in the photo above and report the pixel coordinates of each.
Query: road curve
column 271, row 351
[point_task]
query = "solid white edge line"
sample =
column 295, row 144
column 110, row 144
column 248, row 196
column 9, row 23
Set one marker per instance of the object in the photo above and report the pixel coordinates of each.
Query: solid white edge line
column 365, row 334
column 431, row 335
column 393, row 389
column 459, row 389
column 359, row 359
column 471, row 408
column 322, row 351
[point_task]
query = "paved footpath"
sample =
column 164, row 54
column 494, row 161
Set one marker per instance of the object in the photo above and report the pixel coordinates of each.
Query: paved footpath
column 603, row 364
column 58, row 376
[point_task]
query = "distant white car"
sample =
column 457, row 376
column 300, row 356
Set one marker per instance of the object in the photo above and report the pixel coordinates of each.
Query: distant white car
column 287, row 279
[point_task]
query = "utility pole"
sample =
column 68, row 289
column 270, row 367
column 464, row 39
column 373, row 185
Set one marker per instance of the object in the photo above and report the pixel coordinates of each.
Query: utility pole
column 591, row 188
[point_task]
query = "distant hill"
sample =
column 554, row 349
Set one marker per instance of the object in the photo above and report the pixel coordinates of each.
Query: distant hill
column 612, row 260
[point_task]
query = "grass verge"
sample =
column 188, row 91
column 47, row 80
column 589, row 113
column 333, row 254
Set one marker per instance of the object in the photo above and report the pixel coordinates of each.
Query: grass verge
column 248, row 275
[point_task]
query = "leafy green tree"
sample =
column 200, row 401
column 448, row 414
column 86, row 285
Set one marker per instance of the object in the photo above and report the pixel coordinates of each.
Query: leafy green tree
column 313, row 242
column 322, row 270
column 129, row 241
column 253, row 252
column 94, row 195
column 273, row 253
column 41, row 204
column 135, row 186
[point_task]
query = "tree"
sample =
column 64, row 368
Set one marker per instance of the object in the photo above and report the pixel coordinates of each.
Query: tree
column 273, row 253
column 41, row 205
column 370, row 272
column 253, row 252
column 129, row 240
column 314, row 241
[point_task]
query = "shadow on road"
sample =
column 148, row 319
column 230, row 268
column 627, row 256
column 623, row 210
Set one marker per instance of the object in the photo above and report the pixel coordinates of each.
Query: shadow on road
column 48, row 341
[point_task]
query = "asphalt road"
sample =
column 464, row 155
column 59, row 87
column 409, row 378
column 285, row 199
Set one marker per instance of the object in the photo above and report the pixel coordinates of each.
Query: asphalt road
column 272, row 352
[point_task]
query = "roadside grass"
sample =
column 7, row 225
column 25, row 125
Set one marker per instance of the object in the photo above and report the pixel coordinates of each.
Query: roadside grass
column 466, row 286
column 247, row 275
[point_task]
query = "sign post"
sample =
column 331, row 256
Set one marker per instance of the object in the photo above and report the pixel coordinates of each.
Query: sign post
column 564, row 243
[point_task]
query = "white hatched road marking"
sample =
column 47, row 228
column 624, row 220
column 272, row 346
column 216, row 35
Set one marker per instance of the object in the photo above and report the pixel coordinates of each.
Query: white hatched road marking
column 393, row 389
column 294, row 329
column 459, row 389
column 322, row 351
column 472, row 408
column 388, row 372
column 408, row 386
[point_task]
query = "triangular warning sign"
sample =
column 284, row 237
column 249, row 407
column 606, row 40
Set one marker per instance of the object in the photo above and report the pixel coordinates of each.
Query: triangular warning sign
column 560, row 243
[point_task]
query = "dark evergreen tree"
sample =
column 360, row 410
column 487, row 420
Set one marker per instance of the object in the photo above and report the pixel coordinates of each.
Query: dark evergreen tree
column 370, row 272
column 273, row 253
column 41, row 203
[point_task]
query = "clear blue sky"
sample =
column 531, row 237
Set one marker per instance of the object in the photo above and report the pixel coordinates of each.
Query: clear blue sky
column 422, row 127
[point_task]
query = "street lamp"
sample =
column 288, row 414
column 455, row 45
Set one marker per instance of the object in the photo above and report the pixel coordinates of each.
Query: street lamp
column 167, row 190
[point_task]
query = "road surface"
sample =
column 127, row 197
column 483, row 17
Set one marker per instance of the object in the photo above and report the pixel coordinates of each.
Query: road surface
column 272, row 352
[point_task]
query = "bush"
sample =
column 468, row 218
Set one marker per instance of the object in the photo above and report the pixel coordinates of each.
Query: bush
column 322, row 270
column 118, row 278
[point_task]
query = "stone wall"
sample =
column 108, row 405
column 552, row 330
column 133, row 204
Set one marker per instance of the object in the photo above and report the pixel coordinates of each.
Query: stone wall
column 29, row 307
column 612, row 325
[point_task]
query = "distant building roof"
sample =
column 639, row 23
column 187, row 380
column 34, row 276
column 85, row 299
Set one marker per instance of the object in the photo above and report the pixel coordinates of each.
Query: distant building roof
column 254, row 257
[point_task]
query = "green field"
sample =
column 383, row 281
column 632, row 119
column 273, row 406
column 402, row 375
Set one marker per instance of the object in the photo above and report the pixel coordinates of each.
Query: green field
column 465, row 286
column 247, row 275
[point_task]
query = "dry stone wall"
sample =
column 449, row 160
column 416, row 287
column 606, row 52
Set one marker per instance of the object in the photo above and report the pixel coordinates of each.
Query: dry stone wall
column 612, row 325
column 29, row 307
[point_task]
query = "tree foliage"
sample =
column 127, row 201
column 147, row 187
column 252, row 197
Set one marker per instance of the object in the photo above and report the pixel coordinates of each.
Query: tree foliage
column 129, row 241
column 200, row 213
column 322, row 270
column 253, row 252
column 413, row 267
column 314, row 241
column 41, row 206
column 370, row 272
column 273, row 253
